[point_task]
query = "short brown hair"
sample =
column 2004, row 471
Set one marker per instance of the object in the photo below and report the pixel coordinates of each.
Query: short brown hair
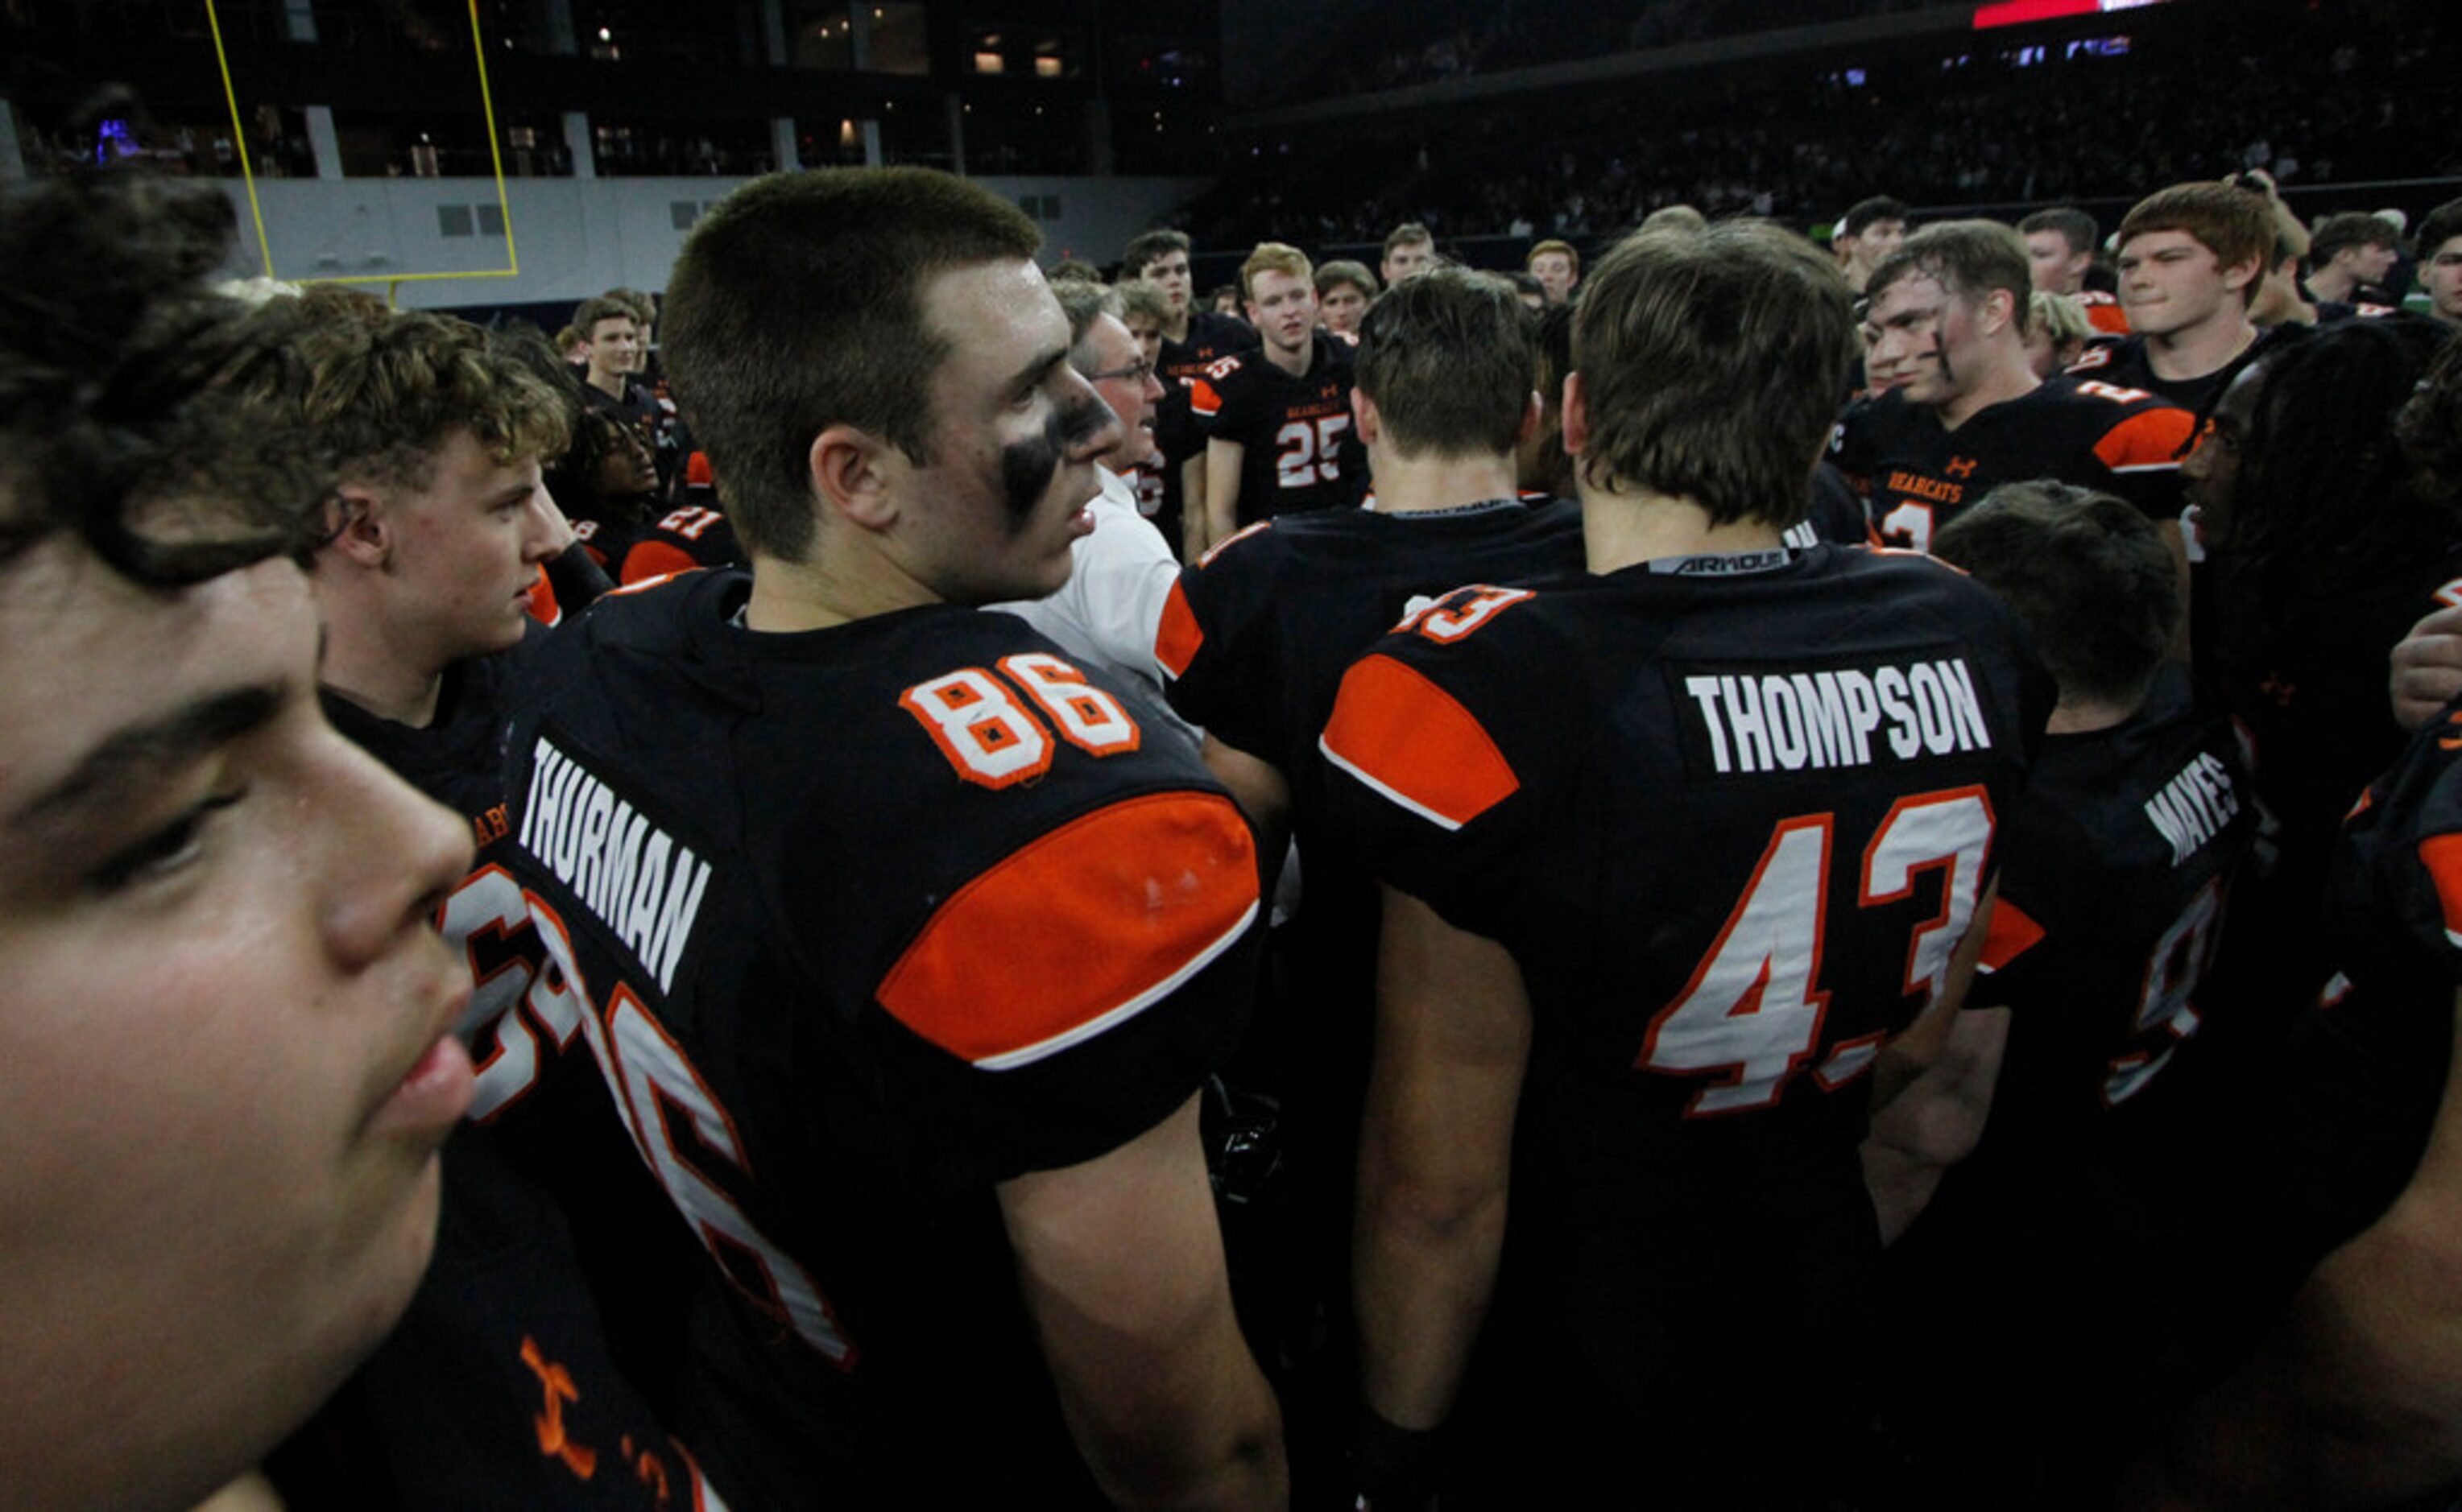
column 611, row 306
column 1679, row 334
column 1406, row 234
column 1971, row 259
column 113, row 429
column 2072, row 225
column 2350, row 228
column 384, row 388
column 1151, row 247
column 1553, row 245
column 1446, row 357
column 2235, row 224
column 1274, row 257
column 1143, row 302
column 1343, row 270
column 797, row 304
column 2087, row 573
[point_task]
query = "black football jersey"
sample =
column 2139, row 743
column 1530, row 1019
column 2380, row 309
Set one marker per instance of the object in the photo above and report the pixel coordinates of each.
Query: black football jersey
column 1299, row 450
column 684, row 537
column 1730, row 816
column 862, row 923
column 2019, row 1302
column 2120, row 361
column 2119, row 863
column 1916, row 477
column 1212, row 336
column 1837, row 513
column 501, row 1387
column 2342, row 1120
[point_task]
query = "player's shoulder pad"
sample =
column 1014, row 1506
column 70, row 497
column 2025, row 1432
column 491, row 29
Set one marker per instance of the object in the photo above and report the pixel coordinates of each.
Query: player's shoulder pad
column 1078, row 931
column 1197, row 594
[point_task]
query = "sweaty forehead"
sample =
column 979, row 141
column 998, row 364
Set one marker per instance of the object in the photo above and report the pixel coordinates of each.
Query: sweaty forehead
column 997, row 311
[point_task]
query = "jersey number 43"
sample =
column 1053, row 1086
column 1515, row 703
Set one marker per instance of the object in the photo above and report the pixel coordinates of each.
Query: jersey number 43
column 1751, row 1016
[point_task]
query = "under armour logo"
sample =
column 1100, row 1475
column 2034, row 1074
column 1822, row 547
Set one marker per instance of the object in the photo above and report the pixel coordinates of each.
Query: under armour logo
column 560, row 1390
column 1961, row 467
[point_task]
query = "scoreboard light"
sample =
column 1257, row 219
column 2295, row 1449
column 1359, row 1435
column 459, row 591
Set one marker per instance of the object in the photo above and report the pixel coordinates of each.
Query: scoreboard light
column 2019, row 12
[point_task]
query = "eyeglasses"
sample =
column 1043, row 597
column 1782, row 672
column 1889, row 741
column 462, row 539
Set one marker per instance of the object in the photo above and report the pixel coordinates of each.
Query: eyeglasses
column 1138, row 372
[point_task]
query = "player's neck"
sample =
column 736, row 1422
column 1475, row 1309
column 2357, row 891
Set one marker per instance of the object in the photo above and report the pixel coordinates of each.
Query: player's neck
column 827, row 591
column 363, row 666
column 1294, row 363
column 1625, row 530
column 2333, row 285
column 1417, row 485
column 2078, row 716
column 2007, row 378
column 1175, row 326
column 2209, row 346
column 610, row 384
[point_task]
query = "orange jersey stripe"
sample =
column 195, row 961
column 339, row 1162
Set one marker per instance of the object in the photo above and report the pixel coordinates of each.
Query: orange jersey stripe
column 2150, row 439
column 1409, row 741
column 1080, row 930
column 2442, row 856
column 544, row 607
column 656, row 559
column 2011, row 934
column 2108, row 318
column 1178, row 637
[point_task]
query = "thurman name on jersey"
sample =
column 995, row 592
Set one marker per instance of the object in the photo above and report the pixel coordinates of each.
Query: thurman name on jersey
column 643, row 886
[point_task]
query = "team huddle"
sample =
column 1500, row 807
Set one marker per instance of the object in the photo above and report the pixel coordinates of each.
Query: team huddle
column 1743, row 876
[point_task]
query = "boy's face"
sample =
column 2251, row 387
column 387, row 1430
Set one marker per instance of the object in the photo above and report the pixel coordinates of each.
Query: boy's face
column 224, row 1044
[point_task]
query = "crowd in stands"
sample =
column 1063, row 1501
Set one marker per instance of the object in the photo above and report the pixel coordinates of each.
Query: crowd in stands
column 1458, row 40
column 2313, row 95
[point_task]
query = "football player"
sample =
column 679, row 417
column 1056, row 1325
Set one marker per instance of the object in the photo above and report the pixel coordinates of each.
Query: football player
column 1870, row 232
column 1278, row 420
column 2353, row 1395
column 2192, row 260
column 1121, row 573
column 226, row 1043
column 1193, row 340
column 1558, row 267
column 1255, row 636
column 2341, row 437
column 1671, row 854
column 2348, row 258
column 902, row 945
column 1410, row 249
column 1947, row 315
column 1344, row 291
column 437, row 527
column 2069, row 1084
column 2060, row 252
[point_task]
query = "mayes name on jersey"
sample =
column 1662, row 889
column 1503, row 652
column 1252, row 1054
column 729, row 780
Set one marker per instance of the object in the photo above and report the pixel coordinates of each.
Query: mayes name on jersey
column 1755, row 722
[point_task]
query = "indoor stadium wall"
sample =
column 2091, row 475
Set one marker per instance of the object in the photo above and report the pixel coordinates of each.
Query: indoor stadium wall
column 572, row 238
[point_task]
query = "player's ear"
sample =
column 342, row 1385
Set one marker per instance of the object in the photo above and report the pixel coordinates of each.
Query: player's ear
column 359, row 525
column 1576, row 417
column 1533, row 414
column 1364, row 416
column 855, row 473
column 2244, row 272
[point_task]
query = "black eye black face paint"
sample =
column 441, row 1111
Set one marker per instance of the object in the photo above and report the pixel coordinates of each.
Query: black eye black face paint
column 1028, row 466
